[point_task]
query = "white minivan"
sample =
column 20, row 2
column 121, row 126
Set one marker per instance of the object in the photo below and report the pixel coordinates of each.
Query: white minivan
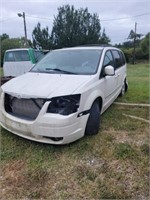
column 62, row 97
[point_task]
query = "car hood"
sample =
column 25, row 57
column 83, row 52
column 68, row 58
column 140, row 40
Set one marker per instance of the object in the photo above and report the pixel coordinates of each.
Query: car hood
column 41, row 85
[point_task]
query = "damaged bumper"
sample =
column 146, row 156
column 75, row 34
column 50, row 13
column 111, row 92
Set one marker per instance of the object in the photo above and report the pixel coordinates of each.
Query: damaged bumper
column 47, row 127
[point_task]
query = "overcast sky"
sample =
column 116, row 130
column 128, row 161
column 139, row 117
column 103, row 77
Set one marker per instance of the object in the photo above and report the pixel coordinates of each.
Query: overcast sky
column 118, row 17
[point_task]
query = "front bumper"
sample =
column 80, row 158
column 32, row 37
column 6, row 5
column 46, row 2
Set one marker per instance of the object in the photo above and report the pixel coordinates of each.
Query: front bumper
column 47, row 127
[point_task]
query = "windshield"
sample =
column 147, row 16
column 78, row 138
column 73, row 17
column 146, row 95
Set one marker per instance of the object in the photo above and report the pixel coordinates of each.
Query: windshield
column 69, row 62
column 14, row 56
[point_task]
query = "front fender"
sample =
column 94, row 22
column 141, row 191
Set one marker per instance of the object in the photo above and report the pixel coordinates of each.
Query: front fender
column 87, row 100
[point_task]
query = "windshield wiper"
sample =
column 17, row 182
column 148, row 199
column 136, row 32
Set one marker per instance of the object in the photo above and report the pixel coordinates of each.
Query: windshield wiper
column 59, row 70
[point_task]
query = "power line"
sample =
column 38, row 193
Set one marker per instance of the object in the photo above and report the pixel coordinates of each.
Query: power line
column 26, row 16
column 124, row 17
column 38, row 17
column 102, row 20
column 8, row 19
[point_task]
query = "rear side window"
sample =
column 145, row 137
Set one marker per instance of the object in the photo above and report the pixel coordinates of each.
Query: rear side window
column 15, row 56
column 123, row 58
column 117, row 58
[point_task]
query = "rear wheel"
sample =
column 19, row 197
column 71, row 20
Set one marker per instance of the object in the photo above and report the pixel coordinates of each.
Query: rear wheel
column 93, row 122
column 124, row 88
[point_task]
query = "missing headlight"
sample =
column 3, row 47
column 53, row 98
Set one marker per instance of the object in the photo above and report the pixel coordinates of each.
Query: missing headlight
column 64, row 105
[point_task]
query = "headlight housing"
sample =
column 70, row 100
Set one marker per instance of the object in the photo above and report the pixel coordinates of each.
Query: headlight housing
column 64, row 105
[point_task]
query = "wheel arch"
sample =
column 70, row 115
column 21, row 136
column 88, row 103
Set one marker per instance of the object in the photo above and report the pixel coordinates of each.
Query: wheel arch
column 89, row 98
column 93, row 121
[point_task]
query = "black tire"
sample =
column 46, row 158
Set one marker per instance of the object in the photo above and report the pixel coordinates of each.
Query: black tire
column 126, row 85
column 93, row 123
column 123, row 89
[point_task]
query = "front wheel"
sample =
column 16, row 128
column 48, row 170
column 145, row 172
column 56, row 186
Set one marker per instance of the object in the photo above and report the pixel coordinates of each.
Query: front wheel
column 92, row 126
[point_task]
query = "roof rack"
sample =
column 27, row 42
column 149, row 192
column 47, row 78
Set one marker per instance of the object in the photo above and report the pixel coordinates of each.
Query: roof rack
column 95, row 45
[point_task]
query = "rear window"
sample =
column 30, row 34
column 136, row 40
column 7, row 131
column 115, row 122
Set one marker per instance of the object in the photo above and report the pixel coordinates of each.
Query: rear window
column 15, row 56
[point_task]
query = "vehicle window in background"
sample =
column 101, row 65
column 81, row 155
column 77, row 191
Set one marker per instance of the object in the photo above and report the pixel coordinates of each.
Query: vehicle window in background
column 71, row 61
column 38, row 55
column 21, row 55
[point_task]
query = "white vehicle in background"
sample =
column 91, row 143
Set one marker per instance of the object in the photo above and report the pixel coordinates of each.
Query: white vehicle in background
column 61, row 99
column 19, row 61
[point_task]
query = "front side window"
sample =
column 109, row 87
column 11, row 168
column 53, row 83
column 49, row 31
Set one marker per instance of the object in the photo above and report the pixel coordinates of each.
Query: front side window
column 14, row 56
column 117, row 58
column 78, row 61
column 108, row 60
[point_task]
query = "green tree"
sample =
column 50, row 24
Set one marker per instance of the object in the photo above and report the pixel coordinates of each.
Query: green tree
column 41, row 37
column 104, row 38
column 144, row 44
column 73, row 27
column 4, row 36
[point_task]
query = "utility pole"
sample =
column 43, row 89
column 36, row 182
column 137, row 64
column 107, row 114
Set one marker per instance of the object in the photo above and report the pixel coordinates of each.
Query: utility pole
column 25, row 29
column 134, row 43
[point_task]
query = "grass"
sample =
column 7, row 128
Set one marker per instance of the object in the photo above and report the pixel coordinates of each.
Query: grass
column 114, row 164
column 138, row 79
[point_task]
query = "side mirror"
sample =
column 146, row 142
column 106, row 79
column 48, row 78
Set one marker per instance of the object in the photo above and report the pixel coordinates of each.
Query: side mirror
column 109, row 70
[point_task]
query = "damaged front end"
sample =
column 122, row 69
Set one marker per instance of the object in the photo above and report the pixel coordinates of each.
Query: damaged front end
column 64, row 105
column 52, row 120
column 23, row 108
column 29, row 108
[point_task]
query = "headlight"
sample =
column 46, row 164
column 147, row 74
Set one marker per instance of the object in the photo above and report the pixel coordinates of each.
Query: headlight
column 64, row 105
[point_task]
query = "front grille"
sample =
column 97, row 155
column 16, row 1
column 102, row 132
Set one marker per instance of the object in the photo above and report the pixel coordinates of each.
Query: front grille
column 23, row 108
